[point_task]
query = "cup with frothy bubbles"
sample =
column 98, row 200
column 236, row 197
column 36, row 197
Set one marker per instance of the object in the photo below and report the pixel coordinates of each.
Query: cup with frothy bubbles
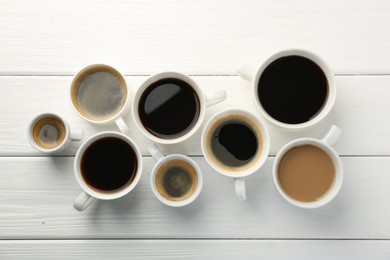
column 50, row 133
column 100, row 95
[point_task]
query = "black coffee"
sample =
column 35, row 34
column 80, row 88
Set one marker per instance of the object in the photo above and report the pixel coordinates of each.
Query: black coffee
column 234, row 143
column 109, row 164
column 169, row 108
column 293, row 89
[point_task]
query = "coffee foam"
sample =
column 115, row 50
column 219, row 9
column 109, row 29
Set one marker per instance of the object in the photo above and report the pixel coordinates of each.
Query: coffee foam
column 95, row 95
column 163, row 170
column 237, row 118
column 49, row 132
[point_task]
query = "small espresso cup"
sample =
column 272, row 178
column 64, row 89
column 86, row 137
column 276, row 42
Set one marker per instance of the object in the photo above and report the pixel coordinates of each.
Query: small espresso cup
column 107, row 166
column 293, row 89
column 176, row 179
column 50, row 133
column 236, row 144
column 169, row 107
column 100, row 95
column 308, row 172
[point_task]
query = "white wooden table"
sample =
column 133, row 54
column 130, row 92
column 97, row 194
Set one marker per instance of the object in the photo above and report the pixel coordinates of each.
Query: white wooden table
column 43, row 43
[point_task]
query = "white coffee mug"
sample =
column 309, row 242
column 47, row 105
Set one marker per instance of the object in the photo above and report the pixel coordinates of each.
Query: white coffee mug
column 68, row 136
column 90, row 194
column 205, row 100
column 117, row 117
column 237, row 173
column 162, row 160
column 325, row 145
column 253, row 75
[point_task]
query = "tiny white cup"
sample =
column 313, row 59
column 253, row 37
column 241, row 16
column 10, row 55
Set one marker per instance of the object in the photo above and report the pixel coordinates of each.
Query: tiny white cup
column 253, row 75
column 89, row 195
column 325, row 145
column 117, row 118
column 161, row 160
column 239, row 173
column 205, row 100
column 70, row 134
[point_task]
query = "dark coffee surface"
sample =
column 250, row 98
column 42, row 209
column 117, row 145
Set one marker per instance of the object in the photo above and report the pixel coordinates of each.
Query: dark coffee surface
column 293, row 89
column 169, row 108
column 109, row 164
column 234, row 143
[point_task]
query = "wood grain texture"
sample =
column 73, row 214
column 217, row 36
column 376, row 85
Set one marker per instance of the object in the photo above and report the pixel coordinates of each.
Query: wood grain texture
column 207, row 37
column 195, row 249
column 36, row 196
column 362, row 111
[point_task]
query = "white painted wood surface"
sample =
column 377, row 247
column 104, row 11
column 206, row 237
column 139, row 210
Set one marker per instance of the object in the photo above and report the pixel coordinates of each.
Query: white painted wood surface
column 143, row 36
column 196, row 249
column 43, row 43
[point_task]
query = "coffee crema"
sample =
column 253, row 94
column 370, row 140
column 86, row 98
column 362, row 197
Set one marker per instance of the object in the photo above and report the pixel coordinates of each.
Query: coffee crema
column 99, row 93
column 169, row 108
column 109, row 164
column 293, row 89
column 176, row 180
column 234, row 142
column 306, row 173
column 49, row 132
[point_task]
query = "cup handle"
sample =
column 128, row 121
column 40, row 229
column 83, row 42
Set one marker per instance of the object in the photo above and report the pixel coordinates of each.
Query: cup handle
column 332, row 136
column 76, row 134
column 155, row 152
column 215, row 97
column 245, row 71
column 83, row 201
column 239, row 185
column 122, row 125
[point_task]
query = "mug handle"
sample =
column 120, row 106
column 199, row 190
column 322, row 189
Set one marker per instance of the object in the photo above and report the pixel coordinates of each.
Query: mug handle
column 76, row 134
column 332, row 136
column 122, row 125
column 246, row 72
column 215, row 97
column 83, row 201
column 155, row 152
column 239, row 185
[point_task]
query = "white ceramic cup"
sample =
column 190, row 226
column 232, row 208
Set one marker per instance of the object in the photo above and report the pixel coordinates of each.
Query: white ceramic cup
column 161, row 160
column 89, row 194
column 70, row 134
column 253, row 75
column 325, row 145
column 205, row 100
column 237, row 173
column 116, row 118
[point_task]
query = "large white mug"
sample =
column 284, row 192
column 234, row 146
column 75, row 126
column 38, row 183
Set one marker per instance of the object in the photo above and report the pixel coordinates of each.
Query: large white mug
column 184, row 183
column 261, row 141
column 98, row 99
column 90, row 192
column 50, row 133
column 308, row 164
column 312, row 65
column 204, row 100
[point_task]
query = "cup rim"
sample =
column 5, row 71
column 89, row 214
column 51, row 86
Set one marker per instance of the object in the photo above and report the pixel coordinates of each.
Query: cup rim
column 146, row 84
column 31, row 129
column 263, row 155
column 120, row 113
column 331, row 194
column 157, row 194
column 332, row 87
column 109, row 195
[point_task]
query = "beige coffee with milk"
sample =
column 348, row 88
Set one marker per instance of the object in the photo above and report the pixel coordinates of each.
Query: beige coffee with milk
column 306, row 173
column 99, row 92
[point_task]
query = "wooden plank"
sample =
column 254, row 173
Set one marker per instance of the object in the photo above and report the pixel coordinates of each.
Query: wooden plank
column 195, row 249
column 362, row 111
column 42, row 37
column 36, row 196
